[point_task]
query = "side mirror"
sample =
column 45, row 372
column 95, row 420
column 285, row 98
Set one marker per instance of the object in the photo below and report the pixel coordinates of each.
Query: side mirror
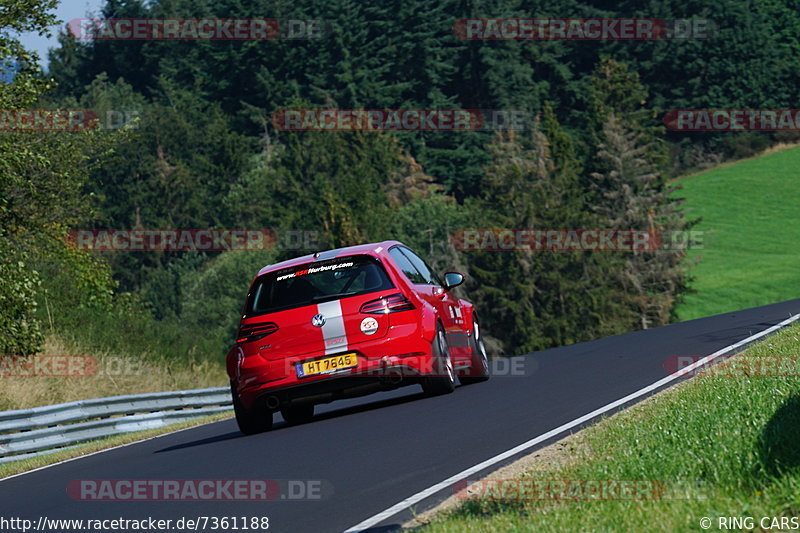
column 453, row 279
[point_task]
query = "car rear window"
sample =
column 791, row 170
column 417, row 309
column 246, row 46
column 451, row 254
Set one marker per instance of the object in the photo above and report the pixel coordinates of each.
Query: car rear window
column 317, row 282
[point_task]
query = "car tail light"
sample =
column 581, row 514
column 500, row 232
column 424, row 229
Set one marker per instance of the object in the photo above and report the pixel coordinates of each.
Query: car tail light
column 253, row 332
column 387, row 304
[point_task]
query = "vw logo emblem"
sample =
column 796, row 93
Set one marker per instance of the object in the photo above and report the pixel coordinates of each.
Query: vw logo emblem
column 318, row 320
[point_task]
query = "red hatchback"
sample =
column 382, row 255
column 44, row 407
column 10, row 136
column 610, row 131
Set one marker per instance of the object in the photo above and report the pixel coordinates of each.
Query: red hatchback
column 345, row 323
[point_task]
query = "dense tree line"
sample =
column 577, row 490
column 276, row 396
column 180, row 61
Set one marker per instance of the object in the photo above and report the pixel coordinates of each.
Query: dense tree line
column 204, row 153
column 42, row 180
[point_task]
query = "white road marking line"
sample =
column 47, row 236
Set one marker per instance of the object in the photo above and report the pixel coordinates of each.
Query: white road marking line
column 418, row 497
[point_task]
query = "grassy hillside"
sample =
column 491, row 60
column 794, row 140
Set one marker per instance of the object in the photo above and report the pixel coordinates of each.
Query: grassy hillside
column 751, row 249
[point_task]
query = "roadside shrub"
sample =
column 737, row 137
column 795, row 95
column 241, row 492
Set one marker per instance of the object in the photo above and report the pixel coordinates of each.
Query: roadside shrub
column 20, row 332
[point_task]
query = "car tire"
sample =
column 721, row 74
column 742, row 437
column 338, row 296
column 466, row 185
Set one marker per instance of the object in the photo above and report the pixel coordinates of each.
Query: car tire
column 298, row 414
column 443, row 380
column 478, row 369
column 257, row 419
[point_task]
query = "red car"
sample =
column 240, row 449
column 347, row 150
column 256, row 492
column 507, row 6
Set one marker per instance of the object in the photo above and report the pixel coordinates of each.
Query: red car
column 345, row 323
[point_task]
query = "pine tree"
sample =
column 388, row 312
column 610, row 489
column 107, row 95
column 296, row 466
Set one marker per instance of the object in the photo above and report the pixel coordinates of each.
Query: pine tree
column 331, row 182
column 631, row 193
column 505, row 289
column 408, row 183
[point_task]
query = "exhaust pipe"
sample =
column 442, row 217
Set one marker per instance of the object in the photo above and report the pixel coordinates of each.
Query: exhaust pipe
column 393, row 378
column 273, row 402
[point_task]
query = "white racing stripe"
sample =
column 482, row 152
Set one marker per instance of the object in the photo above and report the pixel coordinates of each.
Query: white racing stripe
column 333, row 332
column 418, row 497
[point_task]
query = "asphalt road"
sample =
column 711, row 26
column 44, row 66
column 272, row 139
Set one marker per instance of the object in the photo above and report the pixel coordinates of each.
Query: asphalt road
column 375, row 451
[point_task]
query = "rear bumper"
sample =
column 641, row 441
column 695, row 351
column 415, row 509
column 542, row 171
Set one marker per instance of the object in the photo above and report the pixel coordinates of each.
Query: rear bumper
column 383, row 364
column 328, row 390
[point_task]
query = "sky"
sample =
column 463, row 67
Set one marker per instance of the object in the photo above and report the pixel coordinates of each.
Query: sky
column 66, row 11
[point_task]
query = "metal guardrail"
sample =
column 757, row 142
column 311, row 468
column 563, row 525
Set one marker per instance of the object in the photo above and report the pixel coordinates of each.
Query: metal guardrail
column 30, row 432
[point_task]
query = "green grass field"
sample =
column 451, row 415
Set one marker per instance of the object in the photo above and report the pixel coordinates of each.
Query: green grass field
column 716, row 446
column 751, row 234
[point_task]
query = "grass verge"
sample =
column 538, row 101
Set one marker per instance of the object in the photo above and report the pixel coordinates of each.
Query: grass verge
column 748, row 256
column 720, row 445
column 16, row 467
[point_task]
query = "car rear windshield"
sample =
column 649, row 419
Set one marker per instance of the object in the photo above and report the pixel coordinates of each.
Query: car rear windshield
column 313, row 283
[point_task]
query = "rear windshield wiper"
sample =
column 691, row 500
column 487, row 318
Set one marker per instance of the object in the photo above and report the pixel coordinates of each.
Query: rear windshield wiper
column 332, row 296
